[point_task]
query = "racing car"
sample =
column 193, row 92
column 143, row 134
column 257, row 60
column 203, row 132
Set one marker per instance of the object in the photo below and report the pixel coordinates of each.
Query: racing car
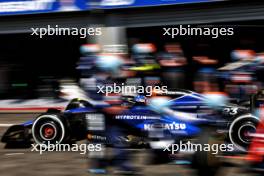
column 183, row 116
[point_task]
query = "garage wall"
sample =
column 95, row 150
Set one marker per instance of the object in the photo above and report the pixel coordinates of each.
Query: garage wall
column 140, row 17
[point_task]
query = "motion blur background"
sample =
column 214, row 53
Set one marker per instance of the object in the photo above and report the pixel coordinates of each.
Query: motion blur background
column 38, row 73
column 34, row 68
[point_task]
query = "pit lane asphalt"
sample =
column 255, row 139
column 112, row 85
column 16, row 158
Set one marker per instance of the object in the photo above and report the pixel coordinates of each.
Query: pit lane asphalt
column 24, row 162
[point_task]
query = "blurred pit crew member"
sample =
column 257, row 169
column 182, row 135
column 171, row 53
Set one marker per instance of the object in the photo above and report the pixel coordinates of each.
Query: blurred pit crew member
column 146, row 66
column 172, row 63
column 110, row 66
column 90, row 74
column 206, row 77
column 239, row 76
column 255, row 154
column 98, row 69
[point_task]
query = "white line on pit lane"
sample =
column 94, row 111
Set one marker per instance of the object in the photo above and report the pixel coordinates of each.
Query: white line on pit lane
column 5, row 125
column 11, row 154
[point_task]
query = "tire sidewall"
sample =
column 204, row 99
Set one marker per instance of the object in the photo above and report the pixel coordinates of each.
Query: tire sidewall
column 58, row 119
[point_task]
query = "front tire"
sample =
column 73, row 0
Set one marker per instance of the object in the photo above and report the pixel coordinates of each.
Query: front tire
column 50, row 129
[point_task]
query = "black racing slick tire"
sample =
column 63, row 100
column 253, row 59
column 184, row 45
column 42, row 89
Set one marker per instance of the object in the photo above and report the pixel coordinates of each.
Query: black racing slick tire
column 50, row 129
column 240, row 129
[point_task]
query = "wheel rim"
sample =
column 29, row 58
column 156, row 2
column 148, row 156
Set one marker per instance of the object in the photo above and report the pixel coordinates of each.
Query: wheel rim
column 48, row 131
column 48, row 128
column 244, row 132
column 239, row 144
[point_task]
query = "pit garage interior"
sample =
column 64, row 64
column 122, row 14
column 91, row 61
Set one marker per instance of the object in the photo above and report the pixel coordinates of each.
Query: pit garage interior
column 28, row 62
column 26, row 59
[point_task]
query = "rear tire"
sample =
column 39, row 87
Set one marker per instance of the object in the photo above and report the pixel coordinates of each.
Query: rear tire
column 239, row 129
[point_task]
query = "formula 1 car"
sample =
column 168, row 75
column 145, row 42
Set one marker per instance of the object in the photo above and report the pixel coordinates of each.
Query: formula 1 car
column 184, row 116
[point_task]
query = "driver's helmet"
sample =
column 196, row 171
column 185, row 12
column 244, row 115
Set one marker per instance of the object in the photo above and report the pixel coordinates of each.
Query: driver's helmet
column 77, row 103
column 134, row 100
column 140, row 99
